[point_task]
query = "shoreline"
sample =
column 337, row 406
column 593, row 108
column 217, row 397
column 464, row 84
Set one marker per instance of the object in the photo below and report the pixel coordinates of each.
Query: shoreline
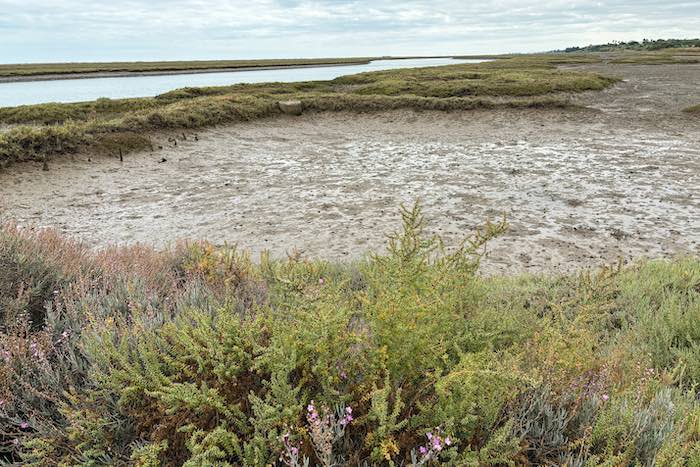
column 134, row 74
column 129, row 74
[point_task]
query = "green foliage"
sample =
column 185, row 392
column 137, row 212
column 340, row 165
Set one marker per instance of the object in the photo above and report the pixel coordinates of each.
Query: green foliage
column 667, row 297
column 385, row 415
column 646, row 44
column 149, row 455
column 201, row 356
column 469, row 400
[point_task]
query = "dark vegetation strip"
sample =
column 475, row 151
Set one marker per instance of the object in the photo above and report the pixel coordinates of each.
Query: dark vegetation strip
column 201, row 356
column 135, row 67
column 694, row 109
column 645, row 45
column 106, row 125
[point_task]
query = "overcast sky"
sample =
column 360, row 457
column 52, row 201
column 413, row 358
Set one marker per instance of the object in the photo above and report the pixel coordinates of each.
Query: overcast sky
column 75, row 30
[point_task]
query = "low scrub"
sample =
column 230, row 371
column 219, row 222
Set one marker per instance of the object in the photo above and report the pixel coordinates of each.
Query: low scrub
column 105, row 125
column 200, row 356
column 695, row 109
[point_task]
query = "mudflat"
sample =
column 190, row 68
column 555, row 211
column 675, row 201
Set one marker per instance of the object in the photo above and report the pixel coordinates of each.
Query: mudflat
column 580, row 188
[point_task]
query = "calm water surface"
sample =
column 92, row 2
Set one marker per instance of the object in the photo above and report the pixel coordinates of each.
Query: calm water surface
column 78, row 90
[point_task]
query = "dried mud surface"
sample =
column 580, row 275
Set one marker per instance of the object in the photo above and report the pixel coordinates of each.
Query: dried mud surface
column 579, row 188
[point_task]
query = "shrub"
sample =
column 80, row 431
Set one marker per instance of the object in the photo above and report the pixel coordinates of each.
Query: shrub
column 200, row 356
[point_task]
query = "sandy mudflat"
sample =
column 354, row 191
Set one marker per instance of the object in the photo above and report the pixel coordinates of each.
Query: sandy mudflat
column 579, row 188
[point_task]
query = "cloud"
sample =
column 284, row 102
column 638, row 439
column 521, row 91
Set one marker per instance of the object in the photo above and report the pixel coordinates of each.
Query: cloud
column 50, row 30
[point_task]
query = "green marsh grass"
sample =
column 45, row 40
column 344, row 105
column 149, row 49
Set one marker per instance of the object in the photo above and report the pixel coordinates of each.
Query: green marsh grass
column 56, row 129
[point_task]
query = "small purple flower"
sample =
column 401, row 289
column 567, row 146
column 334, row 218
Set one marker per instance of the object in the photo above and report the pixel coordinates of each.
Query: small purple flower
column 311, row 407
column 423, row 450
column 605, row 397
column 437, row 444
column 429, row 435
column 295, row 451
column 348, row 410
column 24, row 425
column 448, row 441
column 321, row 281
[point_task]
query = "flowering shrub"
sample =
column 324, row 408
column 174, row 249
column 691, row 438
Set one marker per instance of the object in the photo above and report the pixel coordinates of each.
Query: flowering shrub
column 201, row 356
column 326, row 429
column 431, row 450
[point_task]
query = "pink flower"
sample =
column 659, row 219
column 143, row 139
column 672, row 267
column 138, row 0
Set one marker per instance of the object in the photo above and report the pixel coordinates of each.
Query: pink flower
column 294, row 450
column 24, row 425
column 429, row 435
column 321, row 281
column 605, row 397
column 343, row 375
column 436, row 444
column 448, row 441
column 423, row 450
column 348, row 410
column 346, row 420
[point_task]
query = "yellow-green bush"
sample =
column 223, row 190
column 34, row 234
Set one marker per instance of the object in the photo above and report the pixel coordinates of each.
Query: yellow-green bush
column 201, row 356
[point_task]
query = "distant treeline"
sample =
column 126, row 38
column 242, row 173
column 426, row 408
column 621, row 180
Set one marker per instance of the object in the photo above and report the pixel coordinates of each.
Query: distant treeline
column 646, row 44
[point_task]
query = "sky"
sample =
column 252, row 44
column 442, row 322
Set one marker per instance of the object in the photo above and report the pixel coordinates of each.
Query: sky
column 79, row 30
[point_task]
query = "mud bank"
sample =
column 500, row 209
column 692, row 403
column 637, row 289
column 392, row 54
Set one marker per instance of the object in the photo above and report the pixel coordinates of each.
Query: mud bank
column 578, row 191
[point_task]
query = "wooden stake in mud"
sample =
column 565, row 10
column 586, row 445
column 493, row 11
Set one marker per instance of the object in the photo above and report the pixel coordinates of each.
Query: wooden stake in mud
column 121, row 156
